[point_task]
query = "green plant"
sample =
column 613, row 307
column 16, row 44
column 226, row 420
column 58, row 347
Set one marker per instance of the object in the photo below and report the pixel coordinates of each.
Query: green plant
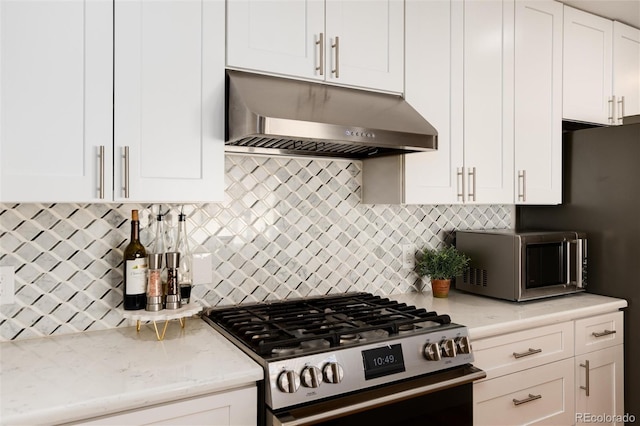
column 442, row 264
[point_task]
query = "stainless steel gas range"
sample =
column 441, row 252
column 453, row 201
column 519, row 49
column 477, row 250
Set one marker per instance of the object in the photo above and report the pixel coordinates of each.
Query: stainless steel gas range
column 354, row 357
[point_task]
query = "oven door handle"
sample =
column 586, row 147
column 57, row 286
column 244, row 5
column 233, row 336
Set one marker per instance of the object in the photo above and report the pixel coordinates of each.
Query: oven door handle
column 289, row 419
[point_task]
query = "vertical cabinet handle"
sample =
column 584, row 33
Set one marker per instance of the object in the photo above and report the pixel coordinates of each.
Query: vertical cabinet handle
column 586, row 384
column 522, row 185
column 101, row 173
column 460, row 182
column 472, row 184
column 620, row 109
column 126, row 172
column 336, row 47
column 611, row 109
column 320, row 44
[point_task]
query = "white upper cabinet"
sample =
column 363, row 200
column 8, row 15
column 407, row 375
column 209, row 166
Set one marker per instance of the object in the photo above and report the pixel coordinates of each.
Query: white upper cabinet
column 484, row 48
column 460, row 77
column 58, row 90
column 587, row 73
column 55, row 100
column 626, row 70
column 430, row 177
column 538, row 102
column 281, row 37
column 360, row 43
column 364, row 43
column 169, row 100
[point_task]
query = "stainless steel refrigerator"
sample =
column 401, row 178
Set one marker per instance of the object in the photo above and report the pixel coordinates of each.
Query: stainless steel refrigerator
column 601, row 196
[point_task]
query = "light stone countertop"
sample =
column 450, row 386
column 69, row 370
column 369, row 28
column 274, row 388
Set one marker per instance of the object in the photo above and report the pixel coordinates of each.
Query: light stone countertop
column 485, row 317
column 66, row 378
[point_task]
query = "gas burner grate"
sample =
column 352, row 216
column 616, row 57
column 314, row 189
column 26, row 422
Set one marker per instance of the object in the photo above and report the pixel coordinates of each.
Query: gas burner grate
column 306, row 324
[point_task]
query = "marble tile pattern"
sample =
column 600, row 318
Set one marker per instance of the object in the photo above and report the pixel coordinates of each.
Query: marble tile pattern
column 288, row 227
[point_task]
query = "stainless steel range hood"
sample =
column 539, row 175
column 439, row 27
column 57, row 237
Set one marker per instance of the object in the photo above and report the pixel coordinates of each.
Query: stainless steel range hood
column 272, row 115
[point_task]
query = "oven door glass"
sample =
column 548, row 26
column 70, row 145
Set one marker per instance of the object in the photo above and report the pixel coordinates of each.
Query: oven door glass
column 437, row 399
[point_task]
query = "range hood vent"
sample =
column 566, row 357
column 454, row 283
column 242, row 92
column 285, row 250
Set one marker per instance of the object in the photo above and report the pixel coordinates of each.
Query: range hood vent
column 272, row 115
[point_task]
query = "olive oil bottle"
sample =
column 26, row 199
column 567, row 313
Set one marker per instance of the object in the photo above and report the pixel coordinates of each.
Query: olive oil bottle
column 135, row 269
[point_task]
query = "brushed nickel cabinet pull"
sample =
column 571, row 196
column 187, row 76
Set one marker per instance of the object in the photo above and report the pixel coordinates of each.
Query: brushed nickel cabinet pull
column 126, row 172
column 611, row 101
column 460, row 183
column 101, row 176
column 586, row 379
column 522, row 177
column 531, row 351
column 620, row 109
column 336, row 46
column 603, row 333
column 472, row 178
column 530, row 398
column 320, row 43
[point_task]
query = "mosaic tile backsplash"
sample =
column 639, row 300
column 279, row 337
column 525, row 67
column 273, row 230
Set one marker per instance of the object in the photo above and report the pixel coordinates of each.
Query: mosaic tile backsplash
column 288, row 227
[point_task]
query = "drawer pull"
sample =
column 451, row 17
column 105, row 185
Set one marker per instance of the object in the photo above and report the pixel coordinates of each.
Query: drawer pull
column 530, row 398
column 531, row 351
column 604, row 333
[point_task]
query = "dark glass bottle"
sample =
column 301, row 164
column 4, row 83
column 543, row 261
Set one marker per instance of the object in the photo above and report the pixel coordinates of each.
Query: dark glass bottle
column 135, row 269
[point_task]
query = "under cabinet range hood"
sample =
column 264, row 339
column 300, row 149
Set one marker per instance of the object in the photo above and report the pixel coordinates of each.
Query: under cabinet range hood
column 273, row 115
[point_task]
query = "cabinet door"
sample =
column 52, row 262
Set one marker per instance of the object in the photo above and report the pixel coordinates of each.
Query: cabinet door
column 430, row 177
column 276, row 36
column 538, row 102
column 487, row 121
column 626, row 70
column 605, row 372
column 169, row 100
column 541, row 396
column 370, row 35
column 587, row 80
column 233, row 407
column 55, row 94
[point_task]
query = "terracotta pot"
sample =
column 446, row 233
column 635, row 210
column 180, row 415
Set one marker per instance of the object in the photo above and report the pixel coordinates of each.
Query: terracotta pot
column 440, row 288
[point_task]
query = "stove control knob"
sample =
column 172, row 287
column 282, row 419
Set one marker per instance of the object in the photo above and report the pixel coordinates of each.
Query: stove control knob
column 311, row 377
column 448, row 348
column 333, row 372
column 464, row 347
column 288, row 381
column 431, row 351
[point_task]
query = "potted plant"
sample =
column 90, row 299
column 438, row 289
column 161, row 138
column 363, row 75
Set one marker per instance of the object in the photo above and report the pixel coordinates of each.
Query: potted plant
column 441, row 265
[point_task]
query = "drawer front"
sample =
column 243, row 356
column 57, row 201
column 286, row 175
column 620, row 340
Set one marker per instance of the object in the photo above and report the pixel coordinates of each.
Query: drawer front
column 541, row 395
column 508, row 353
column 599, row 332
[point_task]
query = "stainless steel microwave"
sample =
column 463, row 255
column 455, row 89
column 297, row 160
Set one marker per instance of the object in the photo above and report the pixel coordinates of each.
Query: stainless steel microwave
column 520, row 266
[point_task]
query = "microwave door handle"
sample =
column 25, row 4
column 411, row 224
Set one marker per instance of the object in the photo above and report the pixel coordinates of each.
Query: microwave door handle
column 580, row 253
column 570, row 260
column 576, row 262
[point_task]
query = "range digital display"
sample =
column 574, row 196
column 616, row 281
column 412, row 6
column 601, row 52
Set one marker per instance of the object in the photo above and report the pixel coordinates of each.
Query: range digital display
column 383, row 361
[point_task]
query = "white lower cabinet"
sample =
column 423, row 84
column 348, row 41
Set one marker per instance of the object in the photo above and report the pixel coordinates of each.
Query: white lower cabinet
column 235, row 407
column 561, row 374
column 599, row 386
column 541, row 395
column 599, row 367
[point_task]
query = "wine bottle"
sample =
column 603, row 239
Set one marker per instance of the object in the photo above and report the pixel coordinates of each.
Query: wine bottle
column 135, row 269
